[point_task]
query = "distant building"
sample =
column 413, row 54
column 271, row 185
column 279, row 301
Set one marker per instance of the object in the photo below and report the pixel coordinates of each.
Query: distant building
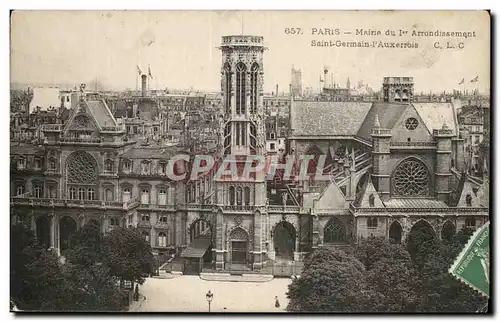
column 296, row 83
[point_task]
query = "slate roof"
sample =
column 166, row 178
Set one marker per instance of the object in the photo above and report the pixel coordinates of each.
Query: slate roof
column 414, row 203
column 435, row 114
column 388, row 115
column 327, row 118
column 142, row 152
column 101, row 113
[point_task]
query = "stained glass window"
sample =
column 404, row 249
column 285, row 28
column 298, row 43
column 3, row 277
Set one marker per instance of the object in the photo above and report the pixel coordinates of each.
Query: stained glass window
column 334, row 231
column 411, row 178
column 81, row 168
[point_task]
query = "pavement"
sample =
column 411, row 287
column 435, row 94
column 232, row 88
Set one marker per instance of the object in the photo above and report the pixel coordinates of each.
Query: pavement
column 226, row 277
column 135, row 305
column 186, row 293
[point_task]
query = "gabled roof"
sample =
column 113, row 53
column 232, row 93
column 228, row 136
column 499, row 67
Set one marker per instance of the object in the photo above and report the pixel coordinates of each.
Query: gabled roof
column 363, row 198
column 331, row 198
column 483, row 194
column 388, row 114
column 327, row 118
column 466, row 189
column 435, row 115
column 142, row 152
column 101, row 113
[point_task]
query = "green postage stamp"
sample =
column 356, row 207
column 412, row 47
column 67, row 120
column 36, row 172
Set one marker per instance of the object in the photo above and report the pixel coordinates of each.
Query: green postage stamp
column 472, row 266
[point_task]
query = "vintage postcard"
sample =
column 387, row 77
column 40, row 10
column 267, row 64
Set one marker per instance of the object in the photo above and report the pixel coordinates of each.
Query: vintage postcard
column 250, row 161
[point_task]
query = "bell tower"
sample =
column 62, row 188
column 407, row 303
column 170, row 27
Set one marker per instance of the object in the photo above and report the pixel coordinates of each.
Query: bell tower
column 242, row 91
column 242, row 140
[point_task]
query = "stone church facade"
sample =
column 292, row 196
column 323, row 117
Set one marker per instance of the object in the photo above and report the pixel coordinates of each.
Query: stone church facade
column 393, row 165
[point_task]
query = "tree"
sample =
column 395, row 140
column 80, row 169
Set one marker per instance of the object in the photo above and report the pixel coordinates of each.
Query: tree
column 440, row 292
column 128, row 255
column 390, row 274
column 36, row 280
column 331, row 281
column 86, row 246
column 93, row 289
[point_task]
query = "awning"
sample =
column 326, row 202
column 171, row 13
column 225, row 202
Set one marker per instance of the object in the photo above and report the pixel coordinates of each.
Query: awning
column 197, row 248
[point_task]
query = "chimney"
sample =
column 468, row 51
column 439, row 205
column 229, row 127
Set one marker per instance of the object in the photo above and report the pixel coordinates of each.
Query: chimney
column 277, row 90
column 144, row 80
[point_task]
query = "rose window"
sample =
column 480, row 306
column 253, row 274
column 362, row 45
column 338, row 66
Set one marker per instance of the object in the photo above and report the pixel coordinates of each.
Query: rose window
column 411, row 123
column 411, row 178
column 81, row 168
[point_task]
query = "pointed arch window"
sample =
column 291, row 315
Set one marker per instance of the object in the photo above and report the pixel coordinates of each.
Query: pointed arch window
column 227, row 89
column 52, row 164
column 162, row 197
column 231, row 195
column 372, row 222
column 20, row 189
column 254, row 92
column 241, row 71
column 145, row 235
column 108, row 194
column 126, row 195
column 371, row 200
column 247, row 196
column 145, row 196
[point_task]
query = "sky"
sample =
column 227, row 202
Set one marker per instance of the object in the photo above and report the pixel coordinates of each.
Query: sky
column 181, row 47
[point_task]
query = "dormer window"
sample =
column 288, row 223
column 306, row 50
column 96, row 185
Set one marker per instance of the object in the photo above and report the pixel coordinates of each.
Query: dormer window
column 371, row 200
column 468, row 200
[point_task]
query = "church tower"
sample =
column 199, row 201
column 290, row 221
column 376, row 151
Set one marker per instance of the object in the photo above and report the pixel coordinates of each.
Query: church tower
column 242, row 136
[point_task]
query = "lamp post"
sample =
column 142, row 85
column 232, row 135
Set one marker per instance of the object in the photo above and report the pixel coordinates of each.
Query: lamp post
column 209, row 297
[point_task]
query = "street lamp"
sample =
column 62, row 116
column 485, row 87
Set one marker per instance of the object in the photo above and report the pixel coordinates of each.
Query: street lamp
column 209, row 297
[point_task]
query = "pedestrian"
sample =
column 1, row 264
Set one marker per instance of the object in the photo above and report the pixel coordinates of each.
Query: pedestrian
column 276, row 302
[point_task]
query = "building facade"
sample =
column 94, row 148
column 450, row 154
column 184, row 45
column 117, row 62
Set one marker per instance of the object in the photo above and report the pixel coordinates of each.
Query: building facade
column 390, row 167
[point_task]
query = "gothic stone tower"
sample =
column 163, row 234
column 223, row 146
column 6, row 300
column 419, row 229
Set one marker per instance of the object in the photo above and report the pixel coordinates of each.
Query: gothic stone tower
column 242, row 213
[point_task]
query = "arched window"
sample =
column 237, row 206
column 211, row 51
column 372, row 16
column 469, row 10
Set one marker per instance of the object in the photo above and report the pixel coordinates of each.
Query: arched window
column 411, row 178
column 247, row 196
column 38, row 163
column 254, row 90
column 108, row 166
column 145, row 217
column 145, row 235
column 371, row 200
column 145, row 196
column 372, row 222
column 239, row 196
column 81, row 193
column 126, row 195
column 335, row 231
column 72, row 193
column 241, row 71
column 162, row 197
column 91, row 194
column 162, row 239
column 163, row 219
column 227, row 89
column 232, row 195
column 108, row 194
column 38, row 191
